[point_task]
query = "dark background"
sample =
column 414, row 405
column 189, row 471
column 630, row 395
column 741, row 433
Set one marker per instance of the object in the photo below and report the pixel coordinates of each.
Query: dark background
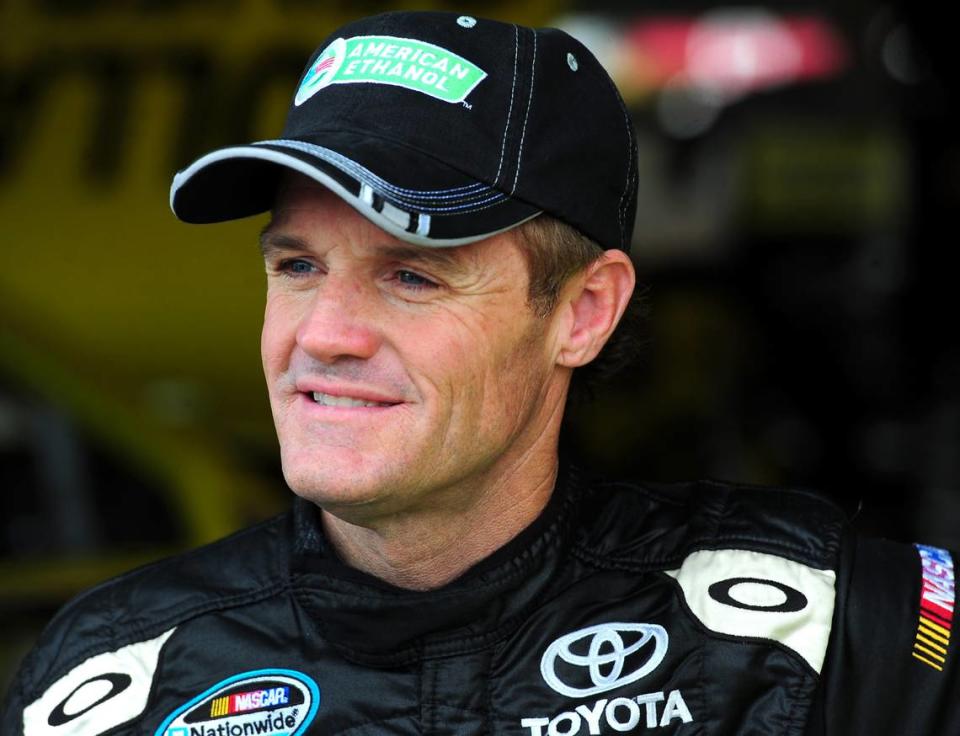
column 795, row 242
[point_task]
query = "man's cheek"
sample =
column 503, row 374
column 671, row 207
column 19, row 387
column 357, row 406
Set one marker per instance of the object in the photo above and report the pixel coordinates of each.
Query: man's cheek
column 276, row 343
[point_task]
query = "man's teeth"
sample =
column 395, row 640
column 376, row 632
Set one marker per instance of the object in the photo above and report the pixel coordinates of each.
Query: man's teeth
column 328, row 400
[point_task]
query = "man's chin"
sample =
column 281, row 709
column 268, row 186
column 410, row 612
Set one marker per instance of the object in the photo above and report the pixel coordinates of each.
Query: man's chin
column 337, row 485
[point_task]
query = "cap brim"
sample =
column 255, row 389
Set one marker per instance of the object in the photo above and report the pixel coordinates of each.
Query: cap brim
column 240, row 181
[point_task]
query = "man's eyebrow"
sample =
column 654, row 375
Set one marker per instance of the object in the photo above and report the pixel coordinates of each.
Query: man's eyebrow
column 441, row 258
column 272, row 242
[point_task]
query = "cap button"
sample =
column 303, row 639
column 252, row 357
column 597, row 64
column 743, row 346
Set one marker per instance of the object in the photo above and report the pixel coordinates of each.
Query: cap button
column 466, row 21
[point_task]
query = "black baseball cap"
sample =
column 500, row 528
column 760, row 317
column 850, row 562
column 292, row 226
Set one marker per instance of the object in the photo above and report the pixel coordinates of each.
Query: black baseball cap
column 443, row 130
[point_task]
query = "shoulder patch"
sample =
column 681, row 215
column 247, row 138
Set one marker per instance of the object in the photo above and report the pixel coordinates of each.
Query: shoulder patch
column 753, row 594
column 100, row 693
column 937, row 599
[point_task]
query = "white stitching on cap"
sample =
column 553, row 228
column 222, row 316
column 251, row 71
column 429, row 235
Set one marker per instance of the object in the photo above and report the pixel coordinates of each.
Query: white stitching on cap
column 513, row 86
column 496, row 203
column 463, row 208
column 631, row 172
column 523, row 132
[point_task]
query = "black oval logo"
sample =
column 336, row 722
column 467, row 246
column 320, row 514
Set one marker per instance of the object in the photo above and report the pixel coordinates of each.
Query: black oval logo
column 795, row 600
column 118, row 683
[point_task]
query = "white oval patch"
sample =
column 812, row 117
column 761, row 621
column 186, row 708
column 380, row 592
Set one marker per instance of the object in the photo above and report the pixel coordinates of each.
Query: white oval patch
column 271, row 702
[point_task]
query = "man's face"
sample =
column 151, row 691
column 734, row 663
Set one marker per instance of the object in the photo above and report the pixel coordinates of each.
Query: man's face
column 399, row 376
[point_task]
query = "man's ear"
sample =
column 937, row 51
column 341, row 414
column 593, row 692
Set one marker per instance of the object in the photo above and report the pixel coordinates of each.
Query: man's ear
column 596, row 301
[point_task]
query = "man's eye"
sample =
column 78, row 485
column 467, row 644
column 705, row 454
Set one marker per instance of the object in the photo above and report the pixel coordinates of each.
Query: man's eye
column 413, row 280
column 295, row 267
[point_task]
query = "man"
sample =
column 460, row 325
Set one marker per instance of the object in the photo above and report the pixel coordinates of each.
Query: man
column 451, row 204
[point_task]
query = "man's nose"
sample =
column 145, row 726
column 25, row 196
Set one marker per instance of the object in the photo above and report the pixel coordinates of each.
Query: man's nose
column 341, row 321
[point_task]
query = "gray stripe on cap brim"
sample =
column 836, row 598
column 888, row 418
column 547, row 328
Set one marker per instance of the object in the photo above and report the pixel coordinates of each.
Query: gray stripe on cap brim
column 379, row 219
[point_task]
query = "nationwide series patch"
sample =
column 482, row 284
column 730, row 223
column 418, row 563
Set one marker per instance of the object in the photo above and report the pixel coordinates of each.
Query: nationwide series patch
column 937, row 600
column 401, row 62
column 258, row 703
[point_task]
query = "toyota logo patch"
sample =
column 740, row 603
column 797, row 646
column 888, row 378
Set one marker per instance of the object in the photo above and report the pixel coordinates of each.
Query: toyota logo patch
column 603, row 657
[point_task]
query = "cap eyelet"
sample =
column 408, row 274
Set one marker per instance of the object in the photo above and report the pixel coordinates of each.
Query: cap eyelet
column 466, row 21
column 572, row 62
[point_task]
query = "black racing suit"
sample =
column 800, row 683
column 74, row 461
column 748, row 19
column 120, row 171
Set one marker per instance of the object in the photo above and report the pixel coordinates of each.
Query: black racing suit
column 684, row 609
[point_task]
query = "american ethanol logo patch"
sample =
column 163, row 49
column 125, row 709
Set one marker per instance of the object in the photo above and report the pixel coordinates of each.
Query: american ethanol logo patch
column 401, row 62
column 257, row 703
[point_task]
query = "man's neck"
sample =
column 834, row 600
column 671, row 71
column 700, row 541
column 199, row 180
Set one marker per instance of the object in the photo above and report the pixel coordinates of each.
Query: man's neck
column 429, row 549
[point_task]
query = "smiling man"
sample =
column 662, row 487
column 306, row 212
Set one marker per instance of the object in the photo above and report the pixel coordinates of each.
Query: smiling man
column 417, row 395
column 452, row 200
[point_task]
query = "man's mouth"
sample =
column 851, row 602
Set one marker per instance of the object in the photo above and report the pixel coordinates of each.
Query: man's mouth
column 330, row 400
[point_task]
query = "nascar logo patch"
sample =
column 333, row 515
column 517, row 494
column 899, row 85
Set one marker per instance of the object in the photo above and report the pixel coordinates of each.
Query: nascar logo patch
column 271, row 702
column 937, row 600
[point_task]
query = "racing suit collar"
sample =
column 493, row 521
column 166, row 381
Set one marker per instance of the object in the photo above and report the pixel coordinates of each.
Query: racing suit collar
column 377, row 624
